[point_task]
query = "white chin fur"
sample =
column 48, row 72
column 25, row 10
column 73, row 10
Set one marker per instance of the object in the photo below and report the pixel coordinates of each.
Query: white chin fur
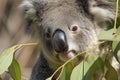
column 70, row 54
column 67, row 56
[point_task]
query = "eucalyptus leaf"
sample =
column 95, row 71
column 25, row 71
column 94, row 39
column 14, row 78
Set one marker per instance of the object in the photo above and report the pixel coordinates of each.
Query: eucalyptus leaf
column 118, row 56
column 77, row 73
column 116, row 50
column 14, row 70
column 67, row 72
column 97, row 66
column 87, row 68
column 118, row 29
column 115, row 45
column 109, row 35
column 118, row 21
column 6, row 58
column 63, row 76
column 111, row 73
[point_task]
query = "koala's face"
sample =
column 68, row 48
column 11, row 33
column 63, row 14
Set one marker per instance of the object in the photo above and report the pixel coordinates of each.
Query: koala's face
column 65, row 32
column 67, row 26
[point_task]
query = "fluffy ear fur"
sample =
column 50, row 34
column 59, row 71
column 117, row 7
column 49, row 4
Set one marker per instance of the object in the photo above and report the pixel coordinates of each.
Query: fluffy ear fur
column 102, row 10
column 32, row 11
column 33, row 8
column 28, row 9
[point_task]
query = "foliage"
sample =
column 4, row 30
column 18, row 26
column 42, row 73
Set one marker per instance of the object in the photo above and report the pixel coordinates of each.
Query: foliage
column 8, row 61
column 14, row 70
column 6, row 58
column 87, row 68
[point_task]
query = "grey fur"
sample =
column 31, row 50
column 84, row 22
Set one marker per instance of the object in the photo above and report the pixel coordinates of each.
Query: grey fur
column 63, row 15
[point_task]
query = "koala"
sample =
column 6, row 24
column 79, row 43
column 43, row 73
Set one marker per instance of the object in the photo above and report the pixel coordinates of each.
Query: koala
column 64, row 28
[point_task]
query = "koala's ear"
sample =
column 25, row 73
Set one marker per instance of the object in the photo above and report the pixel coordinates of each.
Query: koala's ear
column 33, row 8
column 102, row 10
column 28, row 9
column 32, row 11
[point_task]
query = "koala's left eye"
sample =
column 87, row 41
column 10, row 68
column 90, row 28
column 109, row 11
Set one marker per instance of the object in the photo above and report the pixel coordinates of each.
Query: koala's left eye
column 48, row 33
column 74, row 28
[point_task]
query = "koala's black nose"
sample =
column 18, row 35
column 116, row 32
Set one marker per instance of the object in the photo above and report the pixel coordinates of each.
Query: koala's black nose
column 59, row 41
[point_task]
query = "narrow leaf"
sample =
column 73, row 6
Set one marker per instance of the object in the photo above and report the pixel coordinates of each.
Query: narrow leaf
column 116, row 50
column 63, row 76
column 111, row 73
column 67, row 72
column 77, row 73
column 14, row 70
column 97, row 66
column 6, row 58
column 86, row 69
column 115, row 46
column 109, row 36
column 118, row 56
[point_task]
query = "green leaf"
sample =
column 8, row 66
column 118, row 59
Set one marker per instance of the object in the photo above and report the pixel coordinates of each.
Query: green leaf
column 14, row 70
column 111, row 73
column 63, row 76
column 86, row 69
column 67, row 72
column 118, row 30
column 118, row 21
column 115, row 45
column 77, row 73
column 6, row 58
column 116, row 50
column 97, row 66
column 118, row 56
column 109, row 36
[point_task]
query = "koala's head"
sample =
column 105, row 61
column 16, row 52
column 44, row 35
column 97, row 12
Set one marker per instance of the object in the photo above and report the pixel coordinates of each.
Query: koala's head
column 66, row 27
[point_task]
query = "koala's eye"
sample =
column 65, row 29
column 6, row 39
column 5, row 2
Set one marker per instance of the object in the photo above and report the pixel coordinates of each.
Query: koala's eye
column 48, row 33
column 74, row 28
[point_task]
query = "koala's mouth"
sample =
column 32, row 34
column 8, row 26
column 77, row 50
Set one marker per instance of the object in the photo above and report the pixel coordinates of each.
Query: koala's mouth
column 67, row 55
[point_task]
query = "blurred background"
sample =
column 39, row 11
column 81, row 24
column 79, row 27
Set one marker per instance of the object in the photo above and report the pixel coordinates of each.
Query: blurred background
column 12, row 33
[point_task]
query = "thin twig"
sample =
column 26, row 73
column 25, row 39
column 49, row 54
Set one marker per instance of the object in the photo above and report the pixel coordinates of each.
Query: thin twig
column 116, row 15
column 56, row 71
column 60, row 73
column 29, row 44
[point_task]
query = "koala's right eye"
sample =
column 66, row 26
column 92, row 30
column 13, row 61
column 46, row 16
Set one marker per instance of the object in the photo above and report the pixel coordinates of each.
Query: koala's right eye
column 48, row 33
column 74, row 28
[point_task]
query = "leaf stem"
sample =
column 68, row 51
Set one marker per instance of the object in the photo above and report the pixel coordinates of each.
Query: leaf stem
column 116, row 14
column 29, row 44
column 60, row 73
